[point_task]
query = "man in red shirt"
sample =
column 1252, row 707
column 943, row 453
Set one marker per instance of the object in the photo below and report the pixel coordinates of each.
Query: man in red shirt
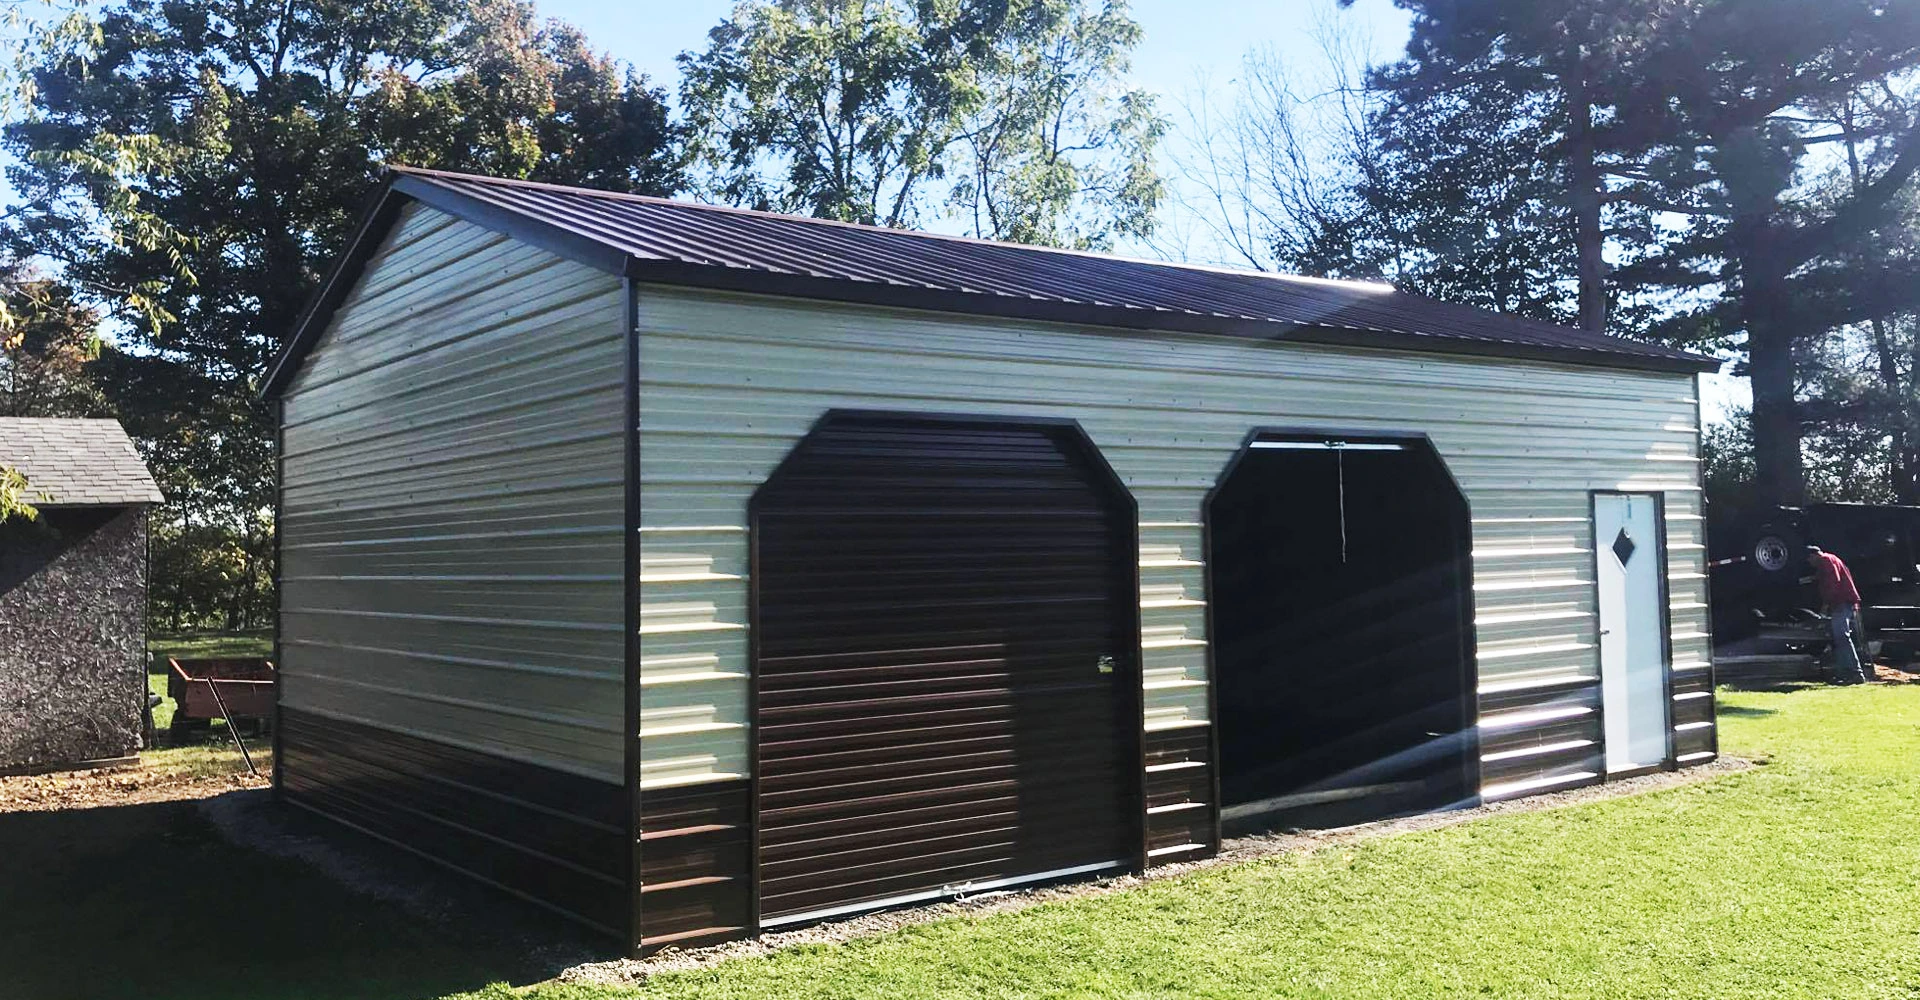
column 1843, row 604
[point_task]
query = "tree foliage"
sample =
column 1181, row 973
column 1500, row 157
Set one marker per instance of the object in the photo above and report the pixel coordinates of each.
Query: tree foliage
column 870, row 111
column 14, row 500
column 45, row 370
column 1751, row 100
column 1059, row 150
column 521, row 99
column 1659, row 168
column 256, row 131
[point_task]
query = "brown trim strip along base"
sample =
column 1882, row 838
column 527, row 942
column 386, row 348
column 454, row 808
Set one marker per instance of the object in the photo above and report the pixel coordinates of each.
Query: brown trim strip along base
column 1693, row 704
column 695, row 884
column 1181, row 813
column 546, row 836
column 1556, row 744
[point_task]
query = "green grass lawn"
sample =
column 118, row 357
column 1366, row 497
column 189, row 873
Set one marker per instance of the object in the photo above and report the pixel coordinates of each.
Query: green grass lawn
column 258, row 642
column 1797, row 879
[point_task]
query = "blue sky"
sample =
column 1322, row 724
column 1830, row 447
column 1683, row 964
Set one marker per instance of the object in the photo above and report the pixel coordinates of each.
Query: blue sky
column 1182, row 36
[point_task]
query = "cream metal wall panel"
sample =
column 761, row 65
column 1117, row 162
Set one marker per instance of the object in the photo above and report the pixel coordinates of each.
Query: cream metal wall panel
column 730, row 383
column 453, row 502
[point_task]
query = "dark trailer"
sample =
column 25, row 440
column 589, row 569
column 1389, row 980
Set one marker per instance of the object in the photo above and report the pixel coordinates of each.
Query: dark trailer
column 693, row 571
column 1768, row 618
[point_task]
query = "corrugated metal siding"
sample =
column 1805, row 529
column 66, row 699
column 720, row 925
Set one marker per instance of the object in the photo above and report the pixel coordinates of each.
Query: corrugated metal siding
column 729, row 384
column 453, row 502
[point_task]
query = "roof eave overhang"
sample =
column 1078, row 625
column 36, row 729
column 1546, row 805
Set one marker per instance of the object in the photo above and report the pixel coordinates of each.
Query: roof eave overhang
column 85, row 504
column 399, row 188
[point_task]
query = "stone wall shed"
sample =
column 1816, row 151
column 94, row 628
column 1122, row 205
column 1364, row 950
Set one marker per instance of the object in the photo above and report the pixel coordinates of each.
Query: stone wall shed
column 73, row 595
column 693, row 571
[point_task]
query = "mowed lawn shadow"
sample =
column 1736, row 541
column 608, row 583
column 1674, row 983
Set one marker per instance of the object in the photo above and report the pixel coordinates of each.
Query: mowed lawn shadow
column 150, row 901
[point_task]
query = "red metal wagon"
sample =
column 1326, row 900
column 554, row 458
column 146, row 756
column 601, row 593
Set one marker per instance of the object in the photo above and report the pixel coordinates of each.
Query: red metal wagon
column 245, row 691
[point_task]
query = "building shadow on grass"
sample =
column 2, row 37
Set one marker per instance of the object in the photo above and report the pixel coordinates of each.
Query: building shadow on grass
column 158, row 901
column 1743, row 711
column 1773, row 687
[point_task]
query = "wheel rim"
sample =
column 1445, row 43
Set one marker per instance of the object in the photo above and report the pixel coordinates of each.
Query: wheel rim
column 1770, row 553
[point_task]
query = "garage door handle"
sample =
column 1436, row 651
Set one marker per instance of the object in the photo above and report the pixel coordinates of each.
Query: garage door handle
column 1104, row 664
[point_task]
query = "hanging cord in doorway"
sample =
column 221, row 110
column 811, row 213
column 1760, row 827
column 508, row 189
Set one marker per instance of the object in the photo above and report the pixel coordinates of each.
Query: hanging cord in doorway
column 1339, row 449
column 1340, row 475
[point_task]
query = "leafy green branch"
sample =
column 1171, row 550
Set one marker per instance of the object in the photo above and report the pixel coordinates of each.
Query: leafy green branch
column 13, row 496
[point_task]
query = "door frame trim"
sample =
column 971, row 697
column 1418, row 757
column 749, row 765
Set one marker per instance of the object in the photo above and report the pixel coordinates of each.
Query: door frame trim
column 1073, row 434
column 1668, row 762
column 1470, row 648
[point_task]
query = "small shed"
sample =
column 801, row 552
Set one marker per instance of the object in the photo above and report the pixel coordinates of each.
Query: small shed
column 73, row 596
column 693, row 571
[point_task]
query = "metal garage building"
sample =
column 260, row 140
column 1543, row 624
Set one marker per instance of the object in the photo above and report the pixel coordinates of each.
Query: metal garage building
column 692, row 571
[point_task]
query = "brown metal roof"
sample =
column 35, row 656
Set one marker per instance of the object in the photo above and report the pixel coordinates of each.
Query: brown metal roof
column 672, row 242
column 73, row 462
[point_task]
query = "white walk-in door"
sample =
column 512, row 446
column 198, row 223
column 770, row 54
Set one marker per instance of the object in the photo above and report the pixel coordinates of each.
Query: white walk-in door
column 1632, row 558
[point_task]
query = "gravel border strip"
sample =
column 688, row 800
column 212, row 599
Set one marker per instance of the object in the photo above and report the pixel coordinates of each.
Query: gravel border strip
column 634, row 972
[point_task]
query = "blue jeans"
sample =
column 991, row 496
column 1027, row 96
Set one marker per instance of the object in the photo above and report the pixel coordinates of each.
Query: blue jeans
column 1847, row 668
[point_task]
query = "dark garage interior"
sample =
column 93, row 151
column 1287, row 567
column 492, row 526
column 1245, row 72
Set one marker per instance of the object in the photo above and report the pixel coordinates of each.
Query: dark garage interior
column 1342, row 616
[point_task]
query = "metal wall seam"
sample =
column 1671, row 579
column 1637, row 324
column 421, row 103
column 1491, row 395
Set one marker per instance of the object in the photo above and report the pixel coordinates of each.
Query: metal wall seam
column 1706, row 579
column 279, row 503
column 630, row 603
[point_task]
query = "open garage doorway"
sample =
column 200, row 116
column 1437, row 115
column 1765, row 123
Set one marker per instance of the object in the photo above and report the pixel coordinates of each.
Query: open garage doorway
column 1340, row 578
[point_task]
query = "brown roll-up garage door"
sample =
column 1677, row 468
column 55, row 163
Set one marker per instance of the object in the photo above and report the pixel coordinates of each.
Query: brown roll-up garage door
column 946, row 677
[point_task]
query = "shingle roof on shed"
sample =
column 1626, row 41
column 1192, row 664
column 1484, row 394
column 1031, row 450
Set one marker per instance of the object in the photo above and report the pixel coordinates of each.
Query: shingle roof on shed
column 72, row 462
column 681, row 243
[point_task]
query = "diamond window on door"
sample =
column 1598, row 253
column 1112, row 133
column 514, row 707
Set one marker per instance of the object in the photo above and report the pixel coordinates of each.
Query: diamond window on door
column 1623, row 547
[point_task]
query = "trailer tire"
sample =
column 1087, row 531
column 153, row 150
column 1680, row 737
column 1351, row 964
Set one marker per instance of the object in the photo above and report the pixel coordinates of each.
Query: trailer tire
column 1777, row 553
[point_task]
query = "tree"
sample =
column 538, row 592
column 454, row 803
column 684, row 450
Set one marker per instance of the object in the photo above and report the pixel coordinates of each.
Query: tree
column 869, row 110
column 1280, row 161
column 262, row 128
column 1446, row 174
column 842, row 109
column 1734, row 107
column 13, row 497
column 1058, row 151
column 44, row 369
column 1555, row 67
column 46, row 337
column 527, row 100
column 1519, row 146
